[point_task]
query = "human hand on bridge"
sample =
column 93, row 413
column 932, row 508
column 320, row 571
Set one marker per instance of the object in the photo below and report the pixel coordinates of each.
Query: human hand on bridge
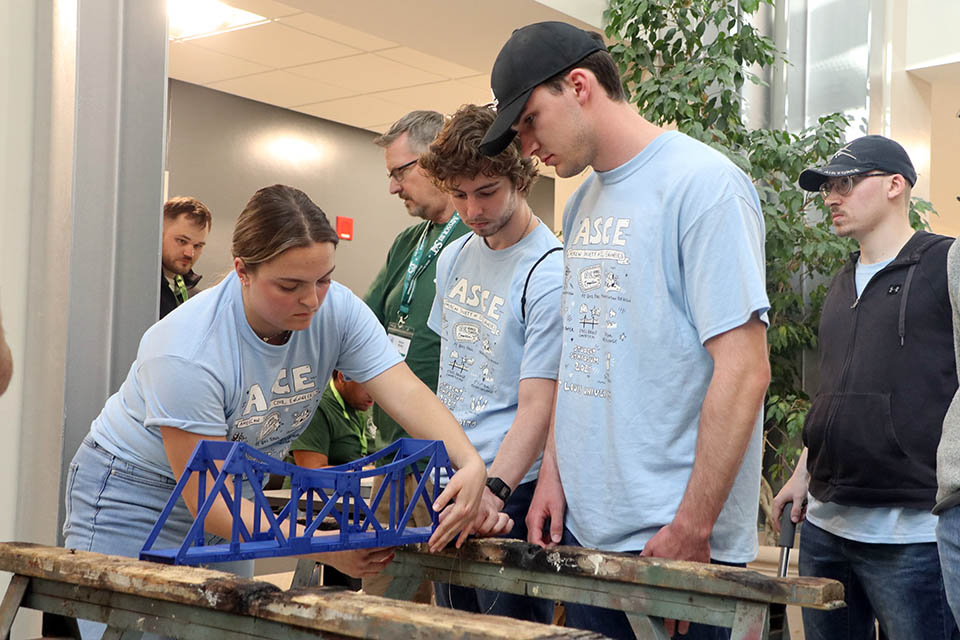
column 678, row 543
column 467, row 486
column 357, row 563
column 490, row 521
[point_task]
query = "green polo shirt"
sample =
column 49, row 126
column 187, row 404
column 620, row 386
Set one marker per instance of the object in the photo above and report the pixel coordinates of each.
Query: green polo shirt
column 336, row 430
column 383, row 298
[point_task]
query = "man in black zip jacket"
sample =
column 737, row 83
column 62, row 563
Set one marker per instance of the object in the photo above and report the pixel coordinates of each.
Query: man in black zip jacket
column 887, row 376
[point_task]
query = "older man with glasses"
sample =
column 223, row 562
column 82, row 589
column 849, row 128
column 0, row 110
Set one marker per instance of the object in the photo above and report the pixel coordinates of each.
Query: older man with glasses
column 867, row 475
column 402, row 294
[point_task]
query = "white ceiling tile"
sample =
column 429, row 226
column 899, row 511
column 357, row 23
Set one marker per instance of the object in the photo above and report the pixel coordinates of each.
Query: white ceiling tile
column 275, row 45
column 265, row 8
column 420, row 60
column 481, row 82
column 366, row 73
column 337, row 32
column 445, row 97
column 358, row 111
column 383, row 127
column 280, row 88
column 201, row 66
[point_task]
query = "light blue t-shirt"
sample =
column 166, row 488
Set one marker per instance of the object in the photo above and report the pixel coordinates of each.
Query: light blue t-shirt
column 203, row 369
column 662, row 253
column 878, row 525
column 486, row 349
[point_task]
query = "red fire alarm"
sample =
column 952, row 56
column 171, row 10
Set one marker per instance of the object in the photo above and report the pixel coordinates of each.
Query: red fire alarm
column 345, row 228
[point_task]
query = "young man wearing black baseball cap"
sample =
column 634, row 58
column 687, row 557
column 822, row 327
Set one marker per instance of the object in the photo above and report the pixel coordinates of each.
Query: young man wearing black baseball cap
column 887, row 376
column 664, row 359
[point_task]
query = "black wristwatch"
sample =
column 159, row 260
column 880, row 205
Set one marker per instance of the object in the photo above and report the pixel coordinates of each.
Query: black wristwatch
column 499, row 488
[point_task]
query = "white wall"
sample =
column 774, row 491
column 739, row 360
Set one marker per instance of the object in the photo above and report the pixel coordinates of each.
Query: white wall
column 17, row 32
column 945, row 157
column 932, row 32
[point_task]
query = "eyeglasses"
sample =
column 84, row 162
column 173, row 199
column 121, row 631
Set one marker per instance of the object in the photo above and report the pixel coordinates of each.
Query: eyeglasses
column 400, row 173
column 845, row 185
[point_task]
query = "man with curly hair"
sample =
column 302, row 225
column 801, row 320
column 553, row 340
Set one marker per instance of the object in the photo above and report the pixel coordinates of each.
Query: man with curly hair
column 497, row 311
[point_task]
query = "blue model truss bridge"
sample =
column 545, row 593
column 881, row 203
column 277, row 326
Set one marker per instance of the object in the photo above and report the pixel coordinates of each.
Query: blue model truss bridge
column 331, row 492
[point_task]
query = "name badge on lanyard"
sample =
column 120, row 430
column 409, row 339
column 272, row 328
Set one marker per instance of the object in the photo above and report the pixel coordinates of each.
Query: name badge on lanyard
column 400, row 337
column 398, row 333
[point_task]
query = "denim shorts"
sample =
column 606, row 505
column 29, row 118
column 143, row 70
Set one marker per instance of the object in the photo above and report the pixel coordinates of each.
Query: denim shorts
column 111, row 507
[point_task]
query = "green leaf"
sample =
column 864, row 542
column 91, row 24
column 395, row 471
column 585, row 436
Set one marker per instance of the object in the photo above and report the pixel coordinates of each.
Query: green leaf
column 676, row 77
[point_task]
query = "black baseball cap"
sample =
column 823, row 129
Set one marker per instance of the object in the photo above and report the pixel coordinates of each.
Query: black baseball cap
column 869, row 153
column 533, row 54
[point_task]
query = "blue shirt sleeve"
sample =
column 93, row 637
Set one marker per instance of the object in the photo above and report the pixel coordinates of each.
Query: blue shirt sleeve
column 365, row 349
column 182, row 394
column 722, row 257
column 543, row 333
column 444, row 263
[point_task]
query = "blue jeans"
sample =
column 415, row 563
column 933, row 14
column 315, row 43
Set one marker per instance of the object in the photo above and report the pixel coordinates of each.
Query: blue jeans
column 111, row 507
column 897, row 585
column 948, row 544
column 615, row 624
column 493, row 602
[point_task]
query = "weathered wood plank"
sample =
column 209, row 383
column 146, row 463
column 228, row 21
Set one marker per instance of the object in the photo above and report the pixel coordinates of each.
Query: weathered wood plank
column 115, row 633
column 340, row 612
column 172, row 619
column 744, row 584
column 647, row 628
column 303, row 575
column 752, row 622
column 650, row 600
column 418, row 621
column 10, row 604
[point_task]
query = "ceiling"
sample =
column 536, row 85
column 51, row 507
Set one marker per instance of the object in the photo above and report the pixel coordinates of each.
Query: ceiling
column 365, row 63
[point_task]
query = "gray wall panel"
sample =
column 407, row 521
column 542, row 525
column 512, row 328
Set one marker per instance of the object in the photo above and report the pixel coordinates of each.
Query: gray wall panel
column 222, row 148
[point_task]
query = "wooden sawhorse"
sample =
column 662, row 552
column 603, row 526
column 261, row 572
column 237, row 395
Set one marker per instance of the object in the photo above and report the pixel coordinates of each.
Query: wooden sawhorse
column 740, row 599
column 132, row 597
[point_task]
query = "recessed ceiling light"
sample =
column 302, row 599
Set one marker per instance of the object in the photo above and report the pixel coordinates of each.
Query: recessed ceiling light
column 190, row 19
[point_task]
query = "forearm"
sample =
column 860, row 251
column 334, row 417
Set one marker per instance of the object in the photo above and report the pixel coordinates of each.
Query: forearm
column 528, row 434
column 219, row 520
column 310, row 459
column 411, row 403
column 728, row 418
column 800, row 472
column 179, row 446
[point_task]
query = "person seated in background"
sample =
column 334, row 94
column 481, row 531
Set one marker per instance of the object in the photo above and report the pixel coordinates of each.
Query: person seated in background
column 337, row 434
column 186, row 223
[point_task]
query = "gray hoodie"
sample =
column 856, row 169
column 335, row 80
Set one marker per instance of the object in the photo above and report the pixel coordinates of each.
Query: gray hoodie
column 948, row 453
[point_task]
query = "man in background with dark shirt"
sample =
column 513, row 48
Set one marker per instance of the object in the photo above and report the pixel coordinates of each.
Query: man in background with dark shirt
column 867, row 473
column 186, row 223
column 402, row 293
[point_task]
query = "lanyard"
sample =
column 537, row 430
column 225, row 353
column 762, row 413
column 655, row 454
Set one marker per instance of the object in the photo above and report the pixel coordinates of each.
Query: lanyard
column 181, row 288
column 343, row 407
column 419, row 263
